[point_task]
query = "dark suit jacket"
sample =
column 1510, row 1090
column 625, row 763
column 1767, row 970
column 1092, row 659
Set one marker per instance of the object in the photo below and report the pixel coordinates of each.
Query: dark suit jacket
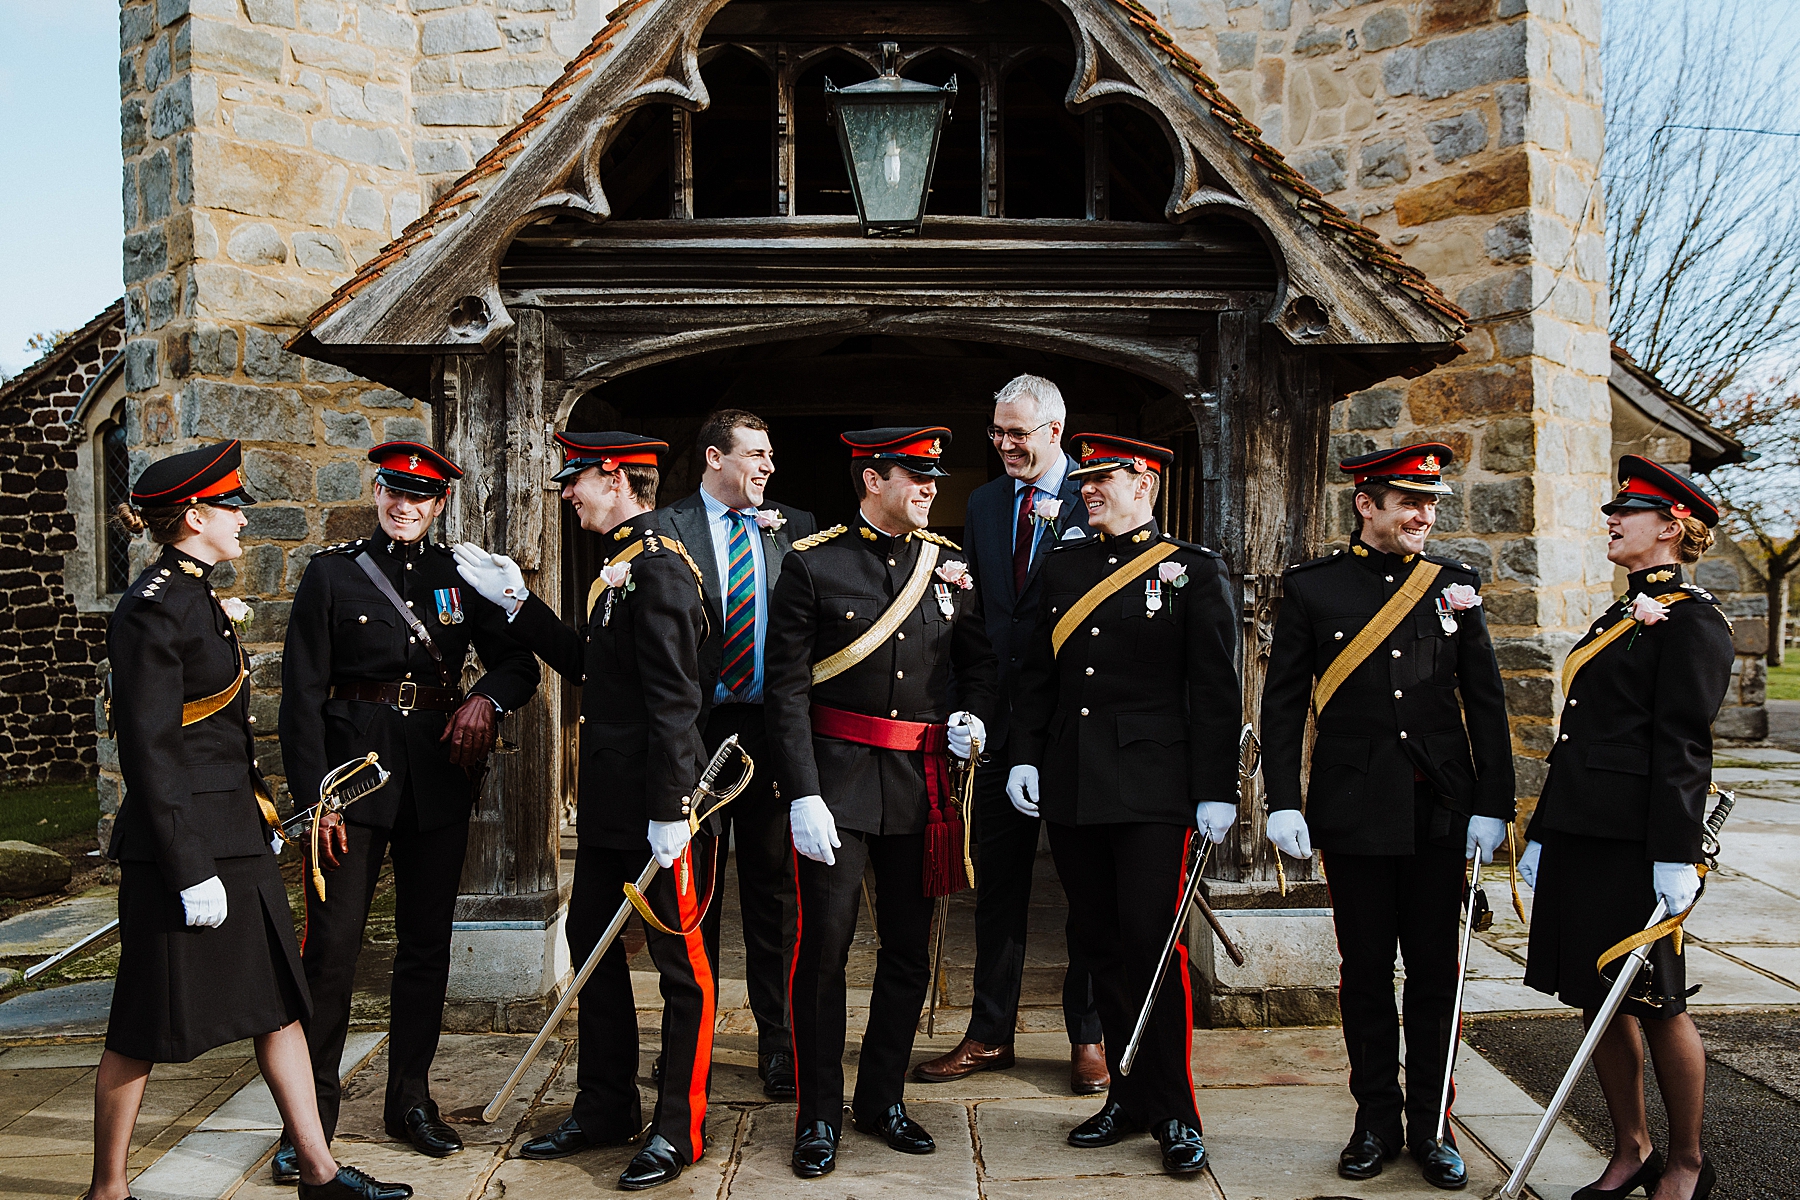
column 188, row 797
column 635, row 659
column 1633, row 755
column 686, row 521
column 342, row 630
column 1008, row 616
column 1424, row 701
column 1137, row 719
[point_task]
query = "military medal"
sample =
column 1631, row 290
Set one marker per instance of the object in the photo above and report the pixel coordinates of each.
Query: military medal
column 1444, row 615
column 1153, row 600
column 942, row 592
column 449, row 605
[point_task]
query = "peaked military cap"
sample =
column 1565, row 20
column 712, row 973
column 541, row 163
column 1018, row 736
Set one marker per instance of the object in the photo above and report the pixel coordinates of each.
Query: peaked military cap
column 209, row 474
column 607, row 450
column 915, row 447
column 1098, row 453
column 413, row 468
column 1415, row 468
column 1644, row 483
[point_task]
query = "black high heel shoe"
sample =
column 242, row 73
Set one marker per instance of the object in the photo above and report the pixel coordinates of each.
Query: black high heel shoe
column 1703, row 1186
column 1648, row 1175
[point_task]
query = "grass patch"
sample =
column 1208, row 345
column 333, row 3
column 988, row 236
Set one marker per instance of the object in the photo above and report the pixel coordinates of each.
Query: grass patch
column 49, row 813
column 1784, row 681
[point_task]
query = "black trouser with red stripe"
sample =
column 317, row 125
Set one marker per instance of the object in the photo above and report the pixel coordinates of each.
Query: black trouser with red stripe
column 829, row 899
column 1413, row 901
column 1124, row 883
column 427, row 871
column 606, row 1104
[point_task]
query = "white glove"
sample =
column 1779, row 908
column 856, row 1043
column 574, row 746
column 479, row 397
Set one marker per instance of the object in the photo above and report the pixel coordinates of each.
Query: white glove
column 667, row 840
column 815, row 833
column 1215, row 818
column 1287, row 830
column 1022, row 789
column 1678, row 885
column 495, row 576
column 1528, row 863
column 1485, row 835
column 276, row 843
column 965, row 729
column 204, row 903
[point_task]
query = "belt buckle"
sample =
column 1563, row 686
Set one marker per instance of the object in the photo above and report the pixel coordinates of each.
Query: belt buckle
column 409, row 696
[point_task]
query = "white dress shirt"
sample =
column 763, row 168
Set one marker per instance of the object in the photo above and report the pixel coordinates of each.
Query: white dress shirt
column 718, row 523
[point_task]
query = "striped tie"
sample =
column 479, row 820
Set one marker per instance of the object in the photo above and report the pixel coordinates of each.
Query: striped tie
column 738, row 660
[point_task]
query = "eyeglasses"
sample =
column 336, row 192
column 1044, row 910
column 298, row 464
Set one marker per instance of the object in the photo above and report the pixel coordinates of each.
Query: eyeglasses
column 999, row 435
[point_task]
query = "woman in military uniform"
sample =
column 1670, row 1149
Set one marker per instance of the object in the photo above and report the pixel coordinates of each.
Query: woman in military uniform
column 1620, row 821
column 201, row 902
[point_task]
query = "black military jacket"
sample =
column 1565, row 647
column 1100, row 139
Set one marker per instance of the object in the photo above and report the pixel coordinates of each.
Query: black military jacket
column 188, row 797
column 833, row 587
column 1633, row 755
column 1137, row 719
column 636, row 657
column 343, row 630
column 1426, row 702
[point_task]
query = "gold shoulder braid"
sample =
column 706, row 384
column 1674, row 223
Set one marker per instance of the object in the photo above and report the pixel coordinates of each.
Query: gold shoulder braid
column 939, row 538
column 819, row 538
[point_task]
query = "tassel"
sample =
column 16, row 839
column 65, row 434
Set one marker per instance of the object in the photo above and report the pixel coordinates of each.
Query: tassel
column 943, row 833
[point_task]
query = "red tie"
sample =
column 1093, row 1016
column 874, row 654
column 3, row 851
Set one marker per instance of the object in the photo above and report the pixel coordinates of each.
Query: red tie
column 1022, row 539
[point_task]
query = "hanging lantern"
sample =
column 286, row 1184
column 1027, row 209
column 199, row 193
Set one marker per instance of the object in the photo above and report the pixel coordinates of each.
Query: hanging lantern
column 888, row 129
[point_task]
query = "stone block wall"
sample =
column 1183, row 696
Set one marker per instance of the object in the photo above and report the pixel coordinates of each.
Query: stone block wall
column 1468, row 133
column 50, row 652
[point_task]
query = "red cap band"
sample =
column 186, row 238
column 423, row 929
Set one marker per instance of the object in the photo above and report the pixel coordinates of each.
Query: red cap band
column 411, row 464
column 229, row 483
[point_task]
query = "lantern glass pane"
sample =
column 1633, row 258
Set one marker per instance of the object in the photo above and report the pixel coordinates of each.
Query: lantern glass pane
column 890, row 150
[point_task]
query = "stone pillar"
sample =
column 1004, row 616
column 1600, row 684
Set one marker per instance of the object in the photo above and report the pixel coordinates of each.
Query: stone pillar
column 1468, row 135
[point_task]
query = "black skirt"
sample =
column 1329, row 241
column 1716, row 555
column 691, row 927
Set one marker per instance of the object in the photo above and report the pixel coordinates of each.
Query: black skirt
column 182, row 991
column 1593, row 893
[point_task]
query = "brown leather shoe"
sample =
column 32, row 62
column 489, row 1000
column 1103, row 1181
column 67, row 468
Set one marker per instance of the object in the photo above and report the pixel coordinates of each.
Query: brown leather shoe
column 1087, row 1068
column 969, row 1057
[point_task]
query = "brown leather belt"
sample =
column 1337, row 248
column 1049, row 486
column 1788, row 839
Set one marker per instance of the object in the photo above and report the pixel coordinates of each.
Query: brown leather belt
column 403, row 696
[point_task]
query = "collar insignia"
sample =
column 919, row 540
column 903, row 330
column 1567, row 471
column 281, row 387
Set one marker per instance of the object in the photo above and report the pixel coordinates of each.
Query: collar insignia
column 1142, row 535
column 191, row 569
column 1356, row 548
column 621, row 533
column 1662, row 576
column 867, row 532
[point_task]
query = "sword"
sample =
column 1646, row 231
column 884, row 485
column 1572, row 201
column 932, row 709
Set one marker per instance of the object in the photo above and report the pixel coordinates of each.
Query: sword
column 1634, row 962
column 617, row 925
column 1456, row 1007
column 1249, row 757
column 941, row 914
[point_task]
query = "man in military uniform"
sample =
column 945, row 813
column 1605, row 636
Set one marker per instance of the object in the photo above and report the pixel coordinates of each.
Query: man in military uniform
column 865, row 629
column 1125, row 728
column 1412, row 776
column 636, row 655
column 375, row 647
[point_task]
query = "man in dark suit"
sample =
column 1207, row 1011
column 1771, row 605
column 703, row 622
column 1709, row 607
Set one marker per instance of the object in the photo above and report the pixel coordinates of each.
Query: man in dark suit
column 1412, row 775
column 1011, row 525
column 377, row 666
column 1125, row 729
column 740, row 546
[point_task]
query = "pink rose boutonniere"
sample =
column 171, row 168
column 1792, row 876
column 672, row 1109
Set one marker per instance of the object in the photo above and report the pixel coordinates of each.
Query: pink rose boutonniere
column 956, row 571
column 1046, row 511
column 1645, row 610
column 617, row 576
column 1172, row 573
column 1461, row 596
column 770, row 519
column 237, row 612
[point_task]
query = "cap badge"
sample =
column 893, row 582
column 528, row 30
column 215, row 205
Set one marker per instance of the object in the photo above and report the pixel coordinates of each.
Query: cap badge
column 412, row 462
column 1429, row 465
column 937, row 447
column 1087, row 450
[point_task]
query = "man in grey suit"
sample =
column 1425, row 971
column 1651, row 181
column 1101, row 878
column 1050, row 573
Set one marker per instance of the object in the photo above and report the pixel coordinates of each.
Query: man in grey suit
column 739, row 545
column 1010, row 525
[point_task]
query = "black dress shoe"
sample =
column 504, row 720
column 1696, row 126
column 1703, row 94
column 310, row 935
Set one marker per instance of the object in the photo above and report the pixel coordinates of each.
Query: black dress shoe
column 426, row 1131
column 1441, row 1165
column 815, row 1151
column 1107, row 1127
column 777, row 1074
column 352, row 1184
column 899, row 1131
column 569, row 1138
column 285, row 1166
column 1183, row 1152
column 657, row 1163
column 1649, row 1174
column 1363, row 1157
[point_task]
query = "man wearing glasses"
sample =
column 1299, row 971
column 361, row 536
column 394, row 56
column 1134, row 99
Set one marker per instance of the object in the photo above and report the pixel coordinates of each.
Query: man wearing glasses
column 1010, row 524
column 740, row 544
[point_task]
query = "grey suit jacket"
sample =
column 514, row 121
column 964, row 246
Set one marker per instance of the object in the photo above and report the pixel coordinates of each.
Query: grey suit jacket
column 685, row 520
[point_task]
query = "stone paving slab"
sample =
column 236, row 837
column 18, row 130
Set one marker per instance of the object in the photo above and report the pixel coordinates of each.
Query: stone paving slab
column 78, row 1010
column 44, row 931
